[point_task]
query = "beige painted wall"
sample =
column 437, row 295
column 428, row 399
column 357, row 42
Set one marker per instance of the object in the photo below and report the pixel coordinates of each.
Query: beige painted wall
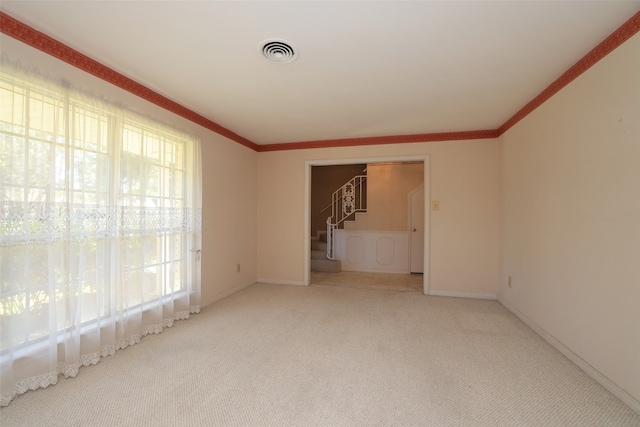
column 464, row 232
column 229, row 179
column 571, row 217
column 388, row 188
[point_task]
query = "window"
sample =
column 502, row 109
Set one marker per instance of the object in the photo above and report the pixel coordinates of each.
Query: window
column 100, row 224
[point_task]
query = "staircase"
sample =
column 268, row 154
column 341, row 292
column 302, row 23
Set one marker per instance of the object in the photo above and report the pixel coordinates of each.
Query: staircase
column 319, row 260
column 345, row 203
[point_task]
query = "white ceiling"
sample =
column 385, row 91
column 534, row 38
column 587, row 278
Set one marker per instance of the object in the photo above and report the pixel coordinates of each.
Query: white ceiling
column 364, row 68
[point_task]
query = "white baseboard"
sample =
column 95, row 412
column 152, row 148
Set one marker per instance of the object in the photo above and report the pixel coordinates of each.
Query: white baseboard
column 629, row 400
column 237, row 288
column 462, row 295
column 226, row 293
column 280, row 282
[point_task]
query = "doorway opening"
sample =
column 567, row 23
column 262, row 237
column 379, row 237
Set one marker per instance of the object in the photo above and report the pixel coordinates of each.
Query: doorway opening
column 380, row 248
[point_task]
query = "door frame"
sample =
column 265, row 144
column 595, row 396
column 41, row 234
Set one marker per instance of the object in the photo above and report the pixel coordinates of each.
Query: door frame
column 410, row 221
column 424, row 158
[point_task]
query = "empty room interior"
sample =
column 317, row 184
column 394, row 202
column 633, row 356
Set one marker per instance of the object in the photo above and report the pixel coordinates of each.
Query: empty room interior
column 222, row 164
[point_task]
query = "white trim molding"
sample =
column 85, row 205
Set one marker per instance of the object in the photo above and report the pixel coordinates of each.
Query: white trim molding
column 373, row 251
column 280, row 282
column 462, row 295
column 618, row 392
column 226, row 293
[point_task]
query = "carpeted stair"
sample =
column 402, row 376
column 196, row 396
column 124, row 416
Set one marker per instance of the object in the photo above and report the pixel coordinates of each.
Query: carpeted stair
column 319, row 260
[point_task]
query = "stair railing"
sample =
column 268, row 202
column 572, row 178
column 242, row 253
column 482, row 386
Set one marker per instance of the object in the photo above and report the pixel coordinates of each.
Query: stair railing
column 330, row 248
column 345, row 202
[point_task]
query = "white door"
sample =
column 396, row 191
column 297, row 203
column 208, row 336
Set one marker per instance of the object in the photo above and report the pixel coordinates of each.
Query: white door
column 417, row 231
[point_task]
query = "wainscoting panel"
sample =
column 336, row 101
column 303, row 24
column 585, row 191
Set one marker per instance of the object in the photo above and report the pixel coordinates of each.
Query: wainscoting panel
column 373, row 251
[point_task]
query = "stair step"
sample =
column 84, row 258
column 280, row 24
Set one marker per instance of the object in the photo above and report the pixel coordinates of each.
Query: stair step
column 318, row 254
column 319, row 245
column 327, row 265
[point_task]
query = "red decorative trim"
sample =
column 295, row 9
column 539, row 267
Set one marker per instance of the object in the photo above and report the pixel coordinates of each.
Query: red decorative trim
column 608, row 45
column 28, row 35
column 377, row 140
column 32, row 37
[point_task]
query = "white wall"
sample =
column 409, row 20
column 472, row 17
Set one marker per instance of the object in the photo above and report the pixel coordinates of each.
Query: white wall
column 464, row 232
column 229, row 178
column 570, row 176
column 373, row 251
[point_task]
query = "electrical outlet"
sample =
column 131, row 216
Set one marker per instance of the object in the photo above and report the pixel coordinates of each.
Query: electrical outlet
column 238, row 268
column 509, row 281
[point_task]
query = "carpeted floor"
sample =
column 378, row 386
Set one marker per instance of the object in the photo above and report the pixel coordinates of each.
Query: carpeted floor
column 275, row 355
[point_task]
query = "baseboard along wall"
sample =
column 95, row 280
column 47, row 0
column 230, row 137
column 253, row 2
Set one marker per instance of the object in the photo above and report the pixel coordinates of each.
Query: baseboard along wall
column 462, row 295
column 280, row 282
column 618, row 392
column 226, row 293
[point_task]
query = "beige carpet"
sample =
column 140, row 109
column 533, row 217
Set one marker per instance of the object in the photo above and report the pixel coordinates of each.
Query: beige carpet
column 275, row 355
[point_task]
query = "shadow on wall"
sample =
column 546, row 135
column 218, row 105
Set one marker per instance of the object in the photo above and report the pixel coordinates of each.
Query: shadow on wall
column 388, row 186
column 324, row 181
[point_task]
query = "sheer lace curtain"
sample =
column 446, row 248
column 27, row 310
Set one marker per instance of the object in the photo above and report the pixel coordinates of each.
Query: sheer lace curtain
column 100, row 229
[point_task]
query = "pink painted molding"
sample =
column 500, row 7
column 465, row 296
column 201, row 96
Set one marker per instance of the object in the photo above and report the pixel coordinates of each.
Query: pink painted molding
column 32, row 37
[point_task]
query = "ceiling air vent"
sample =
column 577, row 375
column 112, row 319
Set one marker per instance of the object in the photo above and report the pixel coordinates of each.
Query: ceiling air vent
column 276, row 50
